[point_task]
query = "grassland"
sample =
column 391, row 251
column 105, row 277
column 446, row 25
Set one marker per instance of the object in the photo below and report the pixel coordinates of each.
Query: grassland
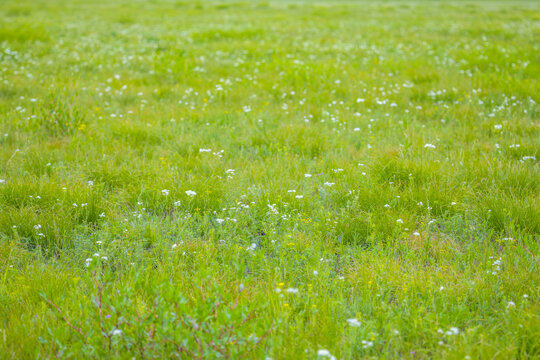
column 265, row 180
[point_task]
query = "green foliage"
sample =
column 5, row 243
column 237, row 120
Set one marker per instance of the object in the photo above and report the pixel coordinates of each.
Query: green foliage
column 141, row 320
column 217, row 179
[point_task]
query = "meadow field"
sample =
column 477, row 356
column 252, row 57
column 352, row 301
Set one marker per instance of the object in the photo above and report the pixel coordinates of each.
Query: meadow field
column 269, row 179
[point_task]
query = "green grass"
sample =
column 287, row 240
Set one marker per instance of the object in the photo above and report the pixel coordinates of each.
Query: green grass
column 375, row 161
